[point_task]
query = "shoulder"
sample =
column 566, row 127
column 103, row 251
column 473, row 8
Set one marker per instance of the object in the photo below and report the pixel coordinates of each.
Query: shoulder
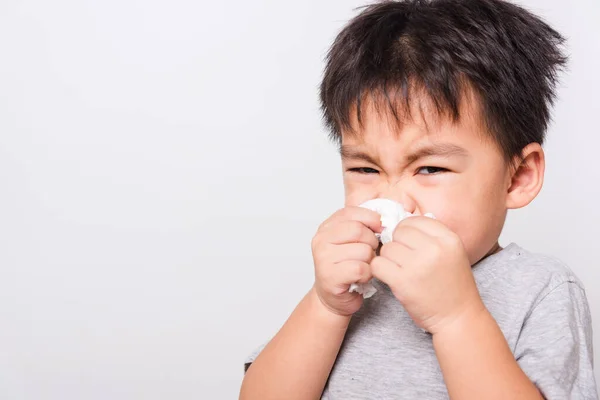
column 552, row 335
column 522, row 268
column 540, row 270
column 518, row 280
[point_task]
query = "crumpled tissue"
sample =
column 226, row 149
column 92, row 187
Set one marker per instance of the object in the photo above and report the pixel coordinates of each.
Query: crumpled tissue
column 391, row 214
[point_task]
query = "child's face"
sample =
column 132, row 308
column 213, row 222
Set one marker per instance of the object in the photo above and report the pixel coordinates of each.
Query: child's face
column 454, row 171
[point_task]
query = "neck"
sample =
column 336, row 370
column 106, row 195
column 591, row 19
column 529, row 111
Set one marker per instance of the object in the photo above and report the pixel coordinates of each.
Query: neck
column 495, row 248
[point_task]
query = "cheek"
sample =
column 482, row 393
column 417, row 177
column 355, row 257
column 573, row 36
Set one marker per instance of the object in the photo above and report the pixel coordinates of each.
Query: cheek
column 475, row 214
column 356, row 193
column 445, row 202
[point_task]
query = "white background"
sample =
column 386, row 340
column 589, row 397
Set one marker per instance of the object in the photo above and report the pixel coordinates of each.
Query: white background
column 163, row 168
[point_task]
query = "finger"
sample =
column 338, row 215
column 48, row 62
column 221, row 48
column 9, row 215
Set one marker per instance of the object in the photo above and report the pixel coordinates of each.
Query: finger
column 397, row 253
column 350, row 232
column 353, row 252
column 430, row 226
column 369, row 218
column 386, row 271
column 411, row 236
column 354, row 271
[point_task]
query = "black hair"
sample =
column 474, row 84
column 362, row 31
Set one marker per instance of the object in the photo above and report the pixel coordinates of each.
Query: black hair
column 509, row 57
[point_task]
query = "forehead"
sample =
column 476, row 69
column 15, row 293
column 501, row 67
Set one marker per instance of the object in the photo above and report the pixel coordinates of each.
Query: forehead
column 379, row 121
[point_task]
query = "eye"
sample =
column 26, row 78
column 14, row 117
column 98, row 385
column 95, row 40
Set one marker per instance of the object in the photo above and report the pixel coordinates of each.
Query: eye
column 364, row 170
column 431, row 170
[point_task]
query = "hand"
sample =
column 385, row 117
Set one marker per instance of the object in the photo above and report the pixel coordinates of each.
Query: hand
column 428, row 270
column 343, row 248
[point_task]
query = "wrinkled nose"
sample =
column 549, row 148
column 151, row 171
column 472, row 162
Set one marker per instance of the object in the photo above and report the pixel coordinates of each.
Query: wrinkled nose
column 400, row 194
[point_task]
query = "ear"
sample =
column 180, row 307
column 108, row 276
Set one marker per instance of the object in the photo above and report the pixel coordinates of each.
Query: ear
column 527, row 177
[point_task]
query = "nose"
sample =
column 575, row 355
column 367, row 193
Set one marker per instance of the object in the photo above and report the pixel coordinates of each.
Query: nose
column 399, row 193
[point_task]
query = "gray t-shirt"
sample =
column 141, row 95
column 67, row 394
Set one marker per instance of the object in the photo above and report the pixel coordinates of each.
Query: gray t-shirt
column 537, row 301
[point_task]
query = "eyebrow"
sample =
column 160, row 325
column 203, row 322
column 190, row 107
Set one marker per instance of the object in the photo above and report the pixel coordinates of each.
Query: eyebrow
column 352, row 153
column 437, row 149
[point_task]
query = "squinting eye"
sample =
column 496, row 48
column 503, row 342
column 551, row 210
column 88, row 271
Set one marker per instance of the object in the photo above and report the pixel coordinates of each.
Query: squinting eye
column 431, row 170
column 364, row 170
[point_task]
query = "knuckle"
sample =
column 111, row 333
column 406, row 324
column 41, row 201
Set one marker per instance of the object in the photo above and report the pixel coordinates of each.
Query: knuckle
column 332, row 218
column 322, row 226
column 342, row 213
column 324, row 275
column 454, row 240
column 355, row 231
column 360, row 269
column 435, row 252
column 374, row 242
column 321, row 253
column 325, row 223
column 355, row 213
column 315, row 242
column 366, row 252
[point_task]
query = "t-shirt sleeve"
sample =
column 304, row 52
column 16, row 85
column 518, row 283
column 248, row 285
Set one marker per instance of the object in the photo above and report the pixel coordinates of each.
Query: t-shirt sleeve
column 554, row 348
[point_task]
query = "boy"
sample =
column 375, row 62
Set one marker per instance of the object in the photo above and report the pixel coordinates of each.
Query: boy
column 442, row 106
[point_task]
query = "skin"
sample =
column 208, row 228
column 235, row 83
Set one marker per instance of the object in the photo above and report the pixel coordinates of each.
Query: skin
column 430, row 165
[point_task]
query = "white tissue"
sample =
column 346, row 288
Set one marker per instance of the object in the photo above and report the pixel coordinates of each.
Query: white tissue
column 391, row 214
